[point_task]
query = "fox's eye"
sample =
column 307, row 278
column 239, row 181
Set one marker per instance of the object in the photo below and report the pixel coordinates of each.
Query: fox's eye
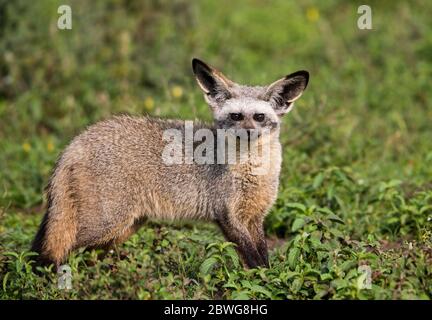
column 236, row 116
column 259, row 117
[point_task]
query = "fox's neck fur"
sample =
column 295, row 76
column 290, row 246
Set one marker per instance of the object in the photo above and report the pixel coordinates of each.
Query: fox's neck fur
column 257, row 192
column 259, row 170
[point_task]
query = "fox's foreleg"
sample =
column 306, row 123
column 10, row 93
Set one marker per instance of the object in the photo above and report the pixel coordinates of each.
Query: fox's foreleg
column 249, row 238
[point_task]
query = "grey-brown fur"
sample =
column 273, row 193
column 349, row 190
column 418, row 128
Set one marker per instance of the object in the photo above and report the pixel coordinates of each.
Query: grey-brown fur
column 111, row 177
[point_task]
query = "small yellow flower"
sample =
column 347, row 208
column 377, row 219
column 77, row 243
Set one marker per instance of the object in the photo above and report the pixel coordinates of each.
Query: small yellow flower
column 26, row 147
column 149, row 103
column 177, row 92
column 312, row 14
column 125, row 41
column 50, row 146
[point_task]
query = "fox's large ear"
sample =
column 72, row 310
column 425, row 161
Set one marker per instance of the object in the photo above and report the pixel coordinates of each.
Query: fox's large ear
column 215, row 85
column 285, row 91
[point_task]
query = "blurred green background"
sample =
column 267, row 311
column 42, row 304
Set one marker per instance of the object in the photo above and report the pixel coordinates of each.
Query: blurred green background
column 359, row 141
column 367, row 105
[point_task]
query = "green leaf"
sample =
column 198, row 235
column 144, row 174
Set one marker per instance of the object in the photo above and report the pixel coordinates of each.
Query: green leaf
column 207, row 265
column 231, row 252
column 339, row 283
column 330, row 192
column 297, row 206
column 230, row 284
column 335, row 218
column 336, row 233
column 325, row 210
column 262, row 290
column 297, row 224
column 290, row 274
column 318, row 180
column 11, row 254
column 5, row 279
column 293, row 257
column 326, row 276
column 165, row 243
column 242, row 295
column 347, row 265
column 296, row 284
column 246, row 284
column 321, row 290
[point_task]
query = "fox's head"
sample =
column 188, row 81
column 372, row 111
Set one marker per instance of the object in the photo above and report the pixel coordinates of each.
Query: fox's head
column 257, row 108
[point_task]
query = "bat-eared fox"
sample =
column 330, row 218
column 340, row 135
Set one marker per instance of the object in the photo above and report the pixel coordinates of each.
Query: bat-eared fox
column 112, row 177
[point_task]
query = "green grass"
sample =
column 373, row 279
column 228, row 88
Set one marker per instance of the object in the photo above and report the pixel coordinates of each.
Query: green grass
column 356, row 184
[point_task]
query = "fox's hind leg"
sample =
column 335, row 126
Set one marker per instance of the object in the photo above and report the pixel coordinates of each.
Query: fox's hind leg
column 119, row 238
column 123, row 236
column 126, row 234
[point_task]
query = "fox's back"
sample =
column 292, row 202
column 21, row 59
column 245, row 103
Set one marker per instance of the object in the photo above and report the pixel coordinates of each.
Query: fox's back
column 118, row 166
